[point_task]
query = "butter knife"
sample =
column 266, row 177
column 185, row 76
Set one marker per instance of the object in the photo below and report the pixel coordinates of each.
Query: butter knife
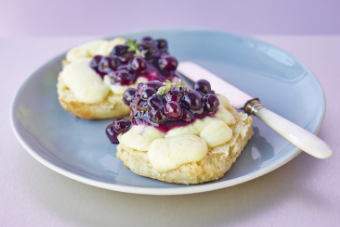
column 298, row 136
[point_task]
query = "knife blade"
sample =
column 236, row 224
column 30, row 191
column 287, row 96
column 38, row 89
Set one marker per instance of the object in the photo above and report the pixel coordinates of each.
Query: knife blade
column 195, row 72
column 298, row 136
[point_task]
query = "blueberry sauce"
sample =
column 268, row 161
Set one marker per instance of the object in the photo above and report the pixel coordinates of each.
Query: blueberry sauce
column 165, row 106
column 126, row 63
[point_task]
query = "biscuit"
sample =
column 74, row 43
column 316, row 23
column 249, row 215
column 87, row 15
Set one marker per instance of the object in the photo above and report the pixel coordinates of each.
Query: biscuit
column 112, row 106
column 212, row 167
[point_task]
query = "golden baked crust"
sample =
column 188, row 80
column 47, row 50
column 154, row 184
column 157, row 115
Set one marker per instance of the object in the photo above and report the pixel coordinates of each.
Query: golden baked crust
column 212, row 167
column 112, row 106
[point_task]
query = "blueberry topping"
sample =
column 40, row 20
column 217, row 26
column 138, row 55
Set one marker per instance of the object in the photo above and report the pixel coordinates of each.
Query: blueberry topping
column 128, row 95
column 123, row 76
column 112, row 133
column 119, row 50
column 138, row 64
column 151, row 50
column 203, row 87
column 142, row 105
column 168, row 63
column 107, row 64
column 193, row 100
column 155, row 102
column 157, row 116
column 187, row 116
column 146, row 39
column 162, row 44
column 155, row 84
column 96, row 61
column 164, row 107
column 211, row 102
column 173, row 110
column 122, row 125
column 117, row 127
column 139, row 58
column 147, row 92
column 174, row 95
column 126, row 57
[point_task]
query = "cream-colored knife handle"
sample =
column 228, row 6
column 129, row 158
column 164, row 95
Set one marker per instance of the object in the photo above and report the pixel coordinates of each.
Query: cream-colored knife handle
column 298, row 136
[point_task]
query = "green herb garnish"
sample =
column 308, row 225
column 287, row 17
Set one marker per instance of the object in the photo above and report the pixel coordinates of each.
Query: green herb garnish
column 180, row 84
column 140, row 53
column 167, row 87
column 133, row 47
column 161, row 91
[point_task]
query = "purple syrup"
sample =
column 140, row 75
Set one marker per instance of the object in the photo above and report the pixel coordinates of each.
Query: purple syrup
column 168, row 125
column 101, row 74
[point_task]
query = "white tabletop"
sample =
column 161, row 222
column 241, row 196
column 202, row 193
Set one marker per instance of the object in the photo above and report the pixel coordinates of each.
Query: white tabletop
column 304, row 192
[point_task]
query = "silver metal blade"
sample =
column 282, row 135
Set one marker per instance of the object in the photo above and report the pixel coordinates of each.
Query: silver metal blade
column 195, row 72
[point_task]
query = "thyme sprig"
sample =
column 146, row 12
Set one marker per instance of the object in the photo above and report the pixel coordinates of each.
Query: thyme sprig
column 133, row 47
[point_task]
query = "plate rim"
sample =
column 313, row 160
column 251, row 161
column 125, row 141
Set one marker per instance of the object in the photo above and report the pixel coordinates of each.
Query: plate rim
column 190, row 189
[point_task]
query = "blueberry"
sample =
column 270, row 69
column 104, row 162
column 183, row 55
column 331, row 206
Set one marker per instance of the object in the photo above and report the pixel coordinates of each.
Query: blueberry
column 138, row 64
column 187, row 116
column 112, row 133
column 122, row 125
column 126, row 57
column 142, row 105
column 123, row 76
column 119, row 50
column 96, row 61
column 157, row 116
column 129, row 94
column 107, row 64
column 193, row 100
column 202, row 86
column 155, row 84
column 211, row 103
column 162, row 44
column 155, row 102
column 147, row 92
column 151, row 50
column 174, row 95
column 167, row 62
column 173, row 110
column 146, row 39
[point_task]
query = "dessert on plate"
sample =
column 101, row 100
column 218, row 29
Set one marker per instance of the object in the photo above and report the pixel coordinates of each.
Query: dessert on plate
column 179, row 135
column 95, row 75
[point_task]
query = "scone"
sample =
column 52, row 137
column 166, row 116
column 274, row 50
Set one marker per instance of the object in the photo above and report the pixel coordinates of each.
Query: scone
column 95, row 75
column 180, row 135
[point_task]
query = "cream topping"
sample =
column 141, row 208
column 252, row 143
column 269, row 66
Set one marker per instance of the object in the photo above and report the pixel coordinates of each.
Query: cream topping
column 118, row 89
column 140, row 137
column 90, row 49
column 84, row 82
column 169, row 153
column 216, row 132
column 224, row 101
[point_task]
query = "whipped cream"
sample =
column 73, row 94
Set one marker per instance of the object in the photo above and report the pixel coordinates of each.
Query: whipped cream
column 90, row 49
column 84, row 82
column 169, row 153
column 224, row 101
column 140, row 137
column 118, row 89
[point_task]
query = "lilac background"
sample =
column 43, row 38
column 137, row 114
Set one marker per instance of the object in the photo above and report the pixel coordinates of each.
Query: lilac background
column 107, row 17
column 307, row 193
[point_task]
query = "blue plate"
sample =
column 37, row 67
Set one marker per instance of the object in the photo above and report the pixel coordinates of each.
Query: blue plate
column 79, row 149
